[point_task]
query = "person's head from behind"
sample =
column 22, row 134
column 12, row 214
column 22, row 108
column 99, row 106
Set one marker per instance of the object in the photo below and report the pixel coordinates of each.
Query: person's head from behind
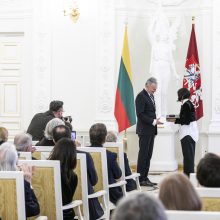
column 48, row 133
column 65, row 151
column 61, row 131
column 139, row 206
column 177, row 193
column 57, row 108
column 182, row 94
column 97, row 134
column 3, row 134
column 8, row 157
column 151, row 85
column 23, row 142
column 112, row 136
column 208, row 170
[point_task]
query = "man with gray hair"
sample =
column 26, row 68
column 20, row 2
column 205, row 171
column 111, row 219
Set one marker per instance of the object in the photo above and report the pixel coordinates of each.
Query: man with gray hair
column 23, row 142
column 146, row 129
column 139, row 206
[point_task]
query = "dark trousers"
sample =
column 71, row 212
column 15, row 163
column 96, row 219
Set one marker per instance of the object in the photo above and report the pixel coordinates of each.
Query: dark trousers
column 146, row 144
column 188, row 149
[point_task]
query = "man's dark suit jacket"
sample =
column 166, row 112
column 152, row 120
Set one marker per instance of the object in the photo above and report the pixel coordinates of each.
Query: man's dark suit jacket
column 187, row 114
column 38, row 124
column 95, row 209
column 114, row 173
column 131, row 184
column 146, row 113
column 31, row 204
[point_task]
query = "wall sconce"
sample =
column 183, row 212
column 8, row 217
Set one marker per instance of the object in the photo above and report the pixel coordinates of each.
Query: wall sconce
column 71, row 10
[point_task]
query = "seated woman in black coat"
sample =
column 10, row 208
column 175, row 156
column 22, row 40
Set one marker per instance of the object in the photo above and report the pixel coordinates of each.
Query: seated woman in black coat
column 97, row 134
column 131, row 184
column 8, row 161
column 47, row 140
column 65, row 151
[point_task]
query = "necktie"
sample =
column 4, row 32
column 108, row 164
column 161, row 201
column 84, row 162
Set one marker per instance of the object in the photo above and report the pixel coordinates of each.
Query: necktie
column 152, row 98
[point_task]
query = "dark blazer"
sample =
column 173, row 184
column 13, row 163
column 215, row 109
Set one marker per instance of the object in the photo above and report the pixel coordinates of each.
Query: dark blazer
column 114, row 173
column 45, row 142
column 68, row 191
column 38, row 124
column 95, row 209
column 187, row 114
column 146, row 113
column 31, row 204
column 131, row 184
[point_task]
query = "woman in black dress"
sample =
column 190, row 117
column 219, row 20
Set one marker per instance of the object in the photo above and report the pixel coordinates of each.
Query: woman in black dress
column 65, row 152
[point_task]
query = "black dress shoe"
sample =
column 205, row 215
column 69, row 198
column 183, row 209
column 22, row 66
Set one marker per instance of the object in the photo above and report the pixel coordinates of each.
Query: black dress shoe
column 146, row 183
column 154, row 184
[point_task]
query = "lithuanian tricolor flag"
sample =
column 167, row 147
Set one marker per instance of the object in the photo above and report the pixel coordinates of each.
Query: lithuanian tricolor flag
column 124, row 100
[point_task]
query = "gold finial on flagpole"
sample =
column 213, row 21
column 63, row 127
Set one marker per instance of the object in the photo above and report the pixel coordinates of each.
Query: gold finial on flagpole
column 125, row 144
column 193, row 19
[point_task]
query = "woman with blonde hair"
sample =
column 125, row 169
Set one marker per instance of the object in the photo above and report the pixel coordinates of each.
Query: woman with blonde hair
column 3, row 135
column 177, row 193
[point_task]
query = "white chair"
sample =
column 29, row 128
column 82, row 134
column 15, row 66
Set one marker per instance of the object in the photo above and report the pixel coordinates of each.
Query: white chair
column 210, row 198
column 12, row 200
column 40, row 149
column 24, row 155
column 82, row 189
column 101, row 189
column 46, row 183
column 117, row 147
column 100, row 162
column 192, row 215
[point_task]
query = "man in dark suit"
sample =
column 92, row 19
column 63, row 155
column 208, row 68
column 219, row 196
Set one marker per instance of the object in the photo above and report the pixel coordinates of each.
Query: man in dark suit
column 97, row 134
column 39, row 121
column 146, row 129
column 95, row 209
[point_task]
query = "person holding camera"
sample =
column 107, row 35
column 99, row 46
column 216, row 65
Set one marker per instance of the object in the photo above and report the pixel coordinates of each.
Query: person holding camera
column 40, row 120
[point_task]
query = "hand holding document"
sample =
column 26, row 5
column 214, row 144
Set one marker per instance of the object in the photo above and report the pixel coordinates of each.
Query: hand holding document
column 158, row 122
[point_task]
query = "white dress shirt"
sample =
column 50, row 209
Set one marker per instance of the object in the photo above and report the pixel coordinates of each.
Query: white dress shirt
column 191, row 129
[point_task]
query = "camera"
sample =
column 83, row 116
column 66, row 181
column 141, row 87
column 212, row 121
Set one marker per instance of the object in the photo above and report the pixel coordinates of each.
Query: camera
column 67, row 119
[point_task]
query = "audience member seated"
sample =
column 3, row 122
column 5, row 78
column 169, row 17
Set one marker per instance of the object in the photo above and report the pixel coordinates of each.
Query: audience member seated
column 177, row 193
column 208, row 171
column 112, row 136
column 65, row 151
column 8, row 161
column 23, row 142
column 40, row 120
column 139, row 206
column 3, row 135
column 47, row 140
column 97, row 134
column 95, row 209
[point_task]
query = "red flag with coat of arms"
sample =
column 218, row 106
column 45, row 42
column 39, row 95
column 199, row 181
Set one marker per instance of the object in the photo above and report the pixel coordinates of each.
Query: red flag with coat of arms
column 192, row 76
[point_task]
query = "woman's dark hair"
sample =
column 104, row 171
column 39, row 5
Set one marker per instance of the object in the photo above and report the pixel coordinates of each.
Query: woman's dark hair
column 97, row 134
column 65, row 151
column 208, row 170
column 183, row 93
column 55, row 105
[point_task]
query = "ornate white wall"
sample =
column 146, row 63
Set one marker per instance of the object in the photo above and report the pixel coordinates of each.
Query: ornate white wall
column 79, row 63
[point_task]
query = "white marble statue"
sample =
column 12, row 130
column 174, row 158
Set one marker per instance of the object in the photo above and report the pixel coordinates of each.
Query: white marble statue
column 162, row 36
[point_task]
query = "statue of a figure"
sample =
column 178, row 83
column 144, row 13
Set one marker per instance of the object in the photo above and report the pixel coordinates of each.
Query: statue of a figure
column 162, row 66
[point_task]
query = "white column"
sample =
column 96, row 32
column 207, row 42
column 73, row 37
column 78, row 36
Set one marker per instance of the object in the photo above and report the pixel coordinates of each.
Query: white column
column 41, row 76
column 214, row 127
column 105, row 74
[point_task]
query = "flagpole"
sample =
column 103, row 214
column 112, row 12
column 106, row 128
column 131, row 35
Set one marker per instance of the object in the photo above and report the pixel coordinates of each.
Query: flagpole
column 193, row 19
column 125, row 143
